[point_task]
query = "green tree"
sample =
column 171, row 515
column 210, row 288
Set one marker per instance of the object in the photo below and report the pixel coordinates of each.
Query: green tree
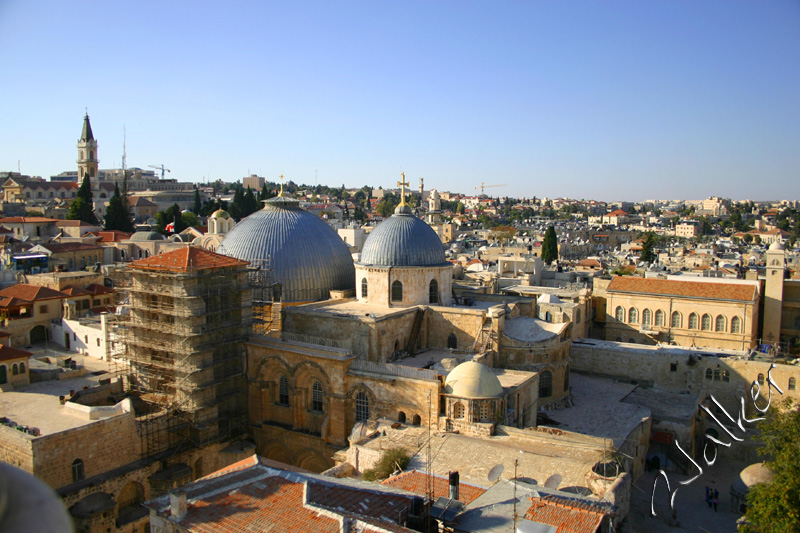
column 773, row 506
column 116, row 215
column 387, row 205
column 198, row 206
column 550, row 246
column 391, row 460
column 82, row 207
column 173, row 215
column 648, row 254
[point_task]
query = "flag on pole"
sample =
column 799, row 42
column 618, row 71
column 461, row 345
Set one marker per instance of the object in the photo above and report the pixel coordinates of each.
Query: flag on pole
column 170, row 227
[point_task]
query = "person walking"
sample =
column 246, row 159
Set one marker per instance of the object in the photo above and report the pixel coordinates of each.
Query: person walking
column 716, row 499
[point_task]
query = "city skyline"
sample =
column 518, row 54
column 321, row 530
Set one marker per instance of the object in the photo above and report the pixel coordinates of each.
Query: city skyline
column 624, row 101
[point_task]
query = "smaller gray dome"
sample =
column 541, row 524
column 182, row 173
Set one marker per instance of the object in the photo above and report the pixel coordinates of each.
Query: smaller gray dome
column 403, row 240
column 141, row 236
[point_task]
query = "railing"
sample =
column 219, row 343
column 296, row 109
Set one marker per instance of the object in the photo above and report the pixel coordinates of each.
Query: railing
column 394, row 370
column 319, row 341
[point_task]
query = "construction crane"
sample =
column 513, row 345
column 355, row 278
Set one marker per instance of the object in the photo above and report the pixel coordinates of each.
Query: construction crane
column 161, row 168
column 483, row 186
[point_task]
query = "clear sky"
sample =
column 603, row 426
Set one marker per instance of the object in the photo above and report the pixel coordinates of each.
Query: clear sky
column 606, row 100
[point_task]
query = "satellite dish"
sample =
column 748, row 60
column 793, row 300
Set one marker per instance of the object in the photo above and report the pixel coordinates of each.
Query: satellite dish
column 494, row 473
column 553, row 481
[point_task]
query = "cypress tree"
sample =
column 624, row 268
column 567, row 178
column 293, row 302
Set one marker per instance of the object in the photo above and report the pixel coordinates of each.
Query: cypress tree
column 82, row 208
column 116, row 217
column 550, row 246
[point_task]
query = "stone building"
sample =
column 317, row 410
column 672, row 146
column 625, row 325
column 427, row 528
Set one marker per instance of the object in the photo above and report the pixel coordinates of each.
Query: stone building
column 712, row 314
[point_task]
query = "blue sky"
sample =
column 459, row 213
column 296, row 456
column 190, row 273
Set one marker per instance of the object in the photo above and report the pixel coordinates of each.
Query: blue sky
column 605, row 100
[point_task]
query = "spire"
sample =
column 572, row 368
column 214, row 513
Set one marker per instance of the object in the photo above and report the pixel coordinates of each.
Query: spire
column 86, row 134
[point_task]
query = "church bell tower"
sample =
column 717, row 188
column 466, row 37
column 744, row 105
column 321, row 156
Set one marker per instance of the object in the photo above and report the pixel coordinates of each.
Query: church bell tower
column 87, row 152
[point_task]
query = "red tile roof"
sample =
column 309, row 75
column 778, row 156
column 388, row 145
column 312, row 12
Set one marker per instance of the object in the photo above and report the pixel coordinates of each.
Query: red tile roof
column 417, row 482
column 112, row 236
column 185, row 259
column 61, row 247
column 75, row 291
column 97, row 289
column 74, row 223
column 247, row 496
column 26, row 220
column 568, row 516
column 684, row 289
column 7, row 303
column 31, row 293
column 7, row 353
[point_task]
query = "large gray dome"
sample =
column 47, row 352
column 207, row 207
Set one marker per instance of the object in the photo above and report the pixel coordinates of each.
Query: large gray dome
column 306, row 256
column 403, row 240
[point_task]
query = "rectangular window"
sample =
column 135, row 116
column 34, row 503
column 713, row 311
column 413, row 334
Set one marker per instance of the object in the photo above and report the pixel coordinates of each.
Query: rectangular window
column 673, row 367
column 43, row 309
column 98, row 342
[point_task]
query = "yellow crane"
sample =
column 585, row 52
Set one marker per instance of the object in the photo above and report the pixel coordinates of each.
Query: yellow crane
column 161, row 168
column 484, row 186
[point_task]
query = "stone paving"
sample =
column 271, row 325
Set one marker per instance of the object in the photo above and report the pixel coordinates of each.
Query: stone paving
column 693, row 514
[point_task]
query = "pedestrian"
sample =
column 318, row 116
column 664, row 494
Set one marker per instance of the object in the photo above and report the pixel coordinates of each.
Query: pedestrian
column 716, row 499
column 709, row 498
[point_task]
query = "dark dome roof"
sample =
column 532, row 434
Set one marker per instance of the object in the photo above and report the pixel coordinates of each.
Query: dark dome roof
column 141, row 236
column 403, row 240
column 305, row 255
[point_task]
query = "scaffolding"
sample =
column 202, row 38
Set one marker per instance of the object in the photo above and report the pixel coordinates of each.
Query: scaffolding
column 178, row 344
column 266, row 303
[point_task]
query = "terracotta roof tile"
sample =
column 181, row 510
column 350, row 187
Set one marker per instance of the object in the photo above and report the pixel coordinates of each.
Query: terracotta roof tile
column 7, row 353
column 26, row 220
column 687, row 289
column 185, row 259
column 75, row 291
column 417, row 482
column 566, row 515
column 60, row 247
column 96, row 289
column 31, row 293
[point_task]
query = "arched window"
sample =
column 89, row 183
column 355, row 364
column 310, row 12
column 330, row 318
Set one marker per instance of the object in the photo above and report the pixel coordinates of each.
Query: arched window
column 633, row 315
column 363, row 287
column 362, row 406
column 283, row 391
column 433, row 292
column 736, row 324
column 659, row 318
column 792, row 383
column 706, row 322
column 452, row 341
column 716, row 374
column 546, row 384
column 416, row 420
column 619, row 314
column 397, row 291
column 693, row 321
column 647, row 317
column 401, row 417
column 14, row 369
column 676, row 319
column 709, row 374
column 720, row 325
column 77, row 470
column 22, row 368
column 761, row 379
column 316, row 397
column 548, row 316
column 726, row 375
column 458, row 410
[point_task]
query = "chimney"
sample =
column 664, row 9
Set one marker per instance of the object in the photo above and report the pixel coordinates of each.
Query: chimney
column 177, row 504
column 454, row 485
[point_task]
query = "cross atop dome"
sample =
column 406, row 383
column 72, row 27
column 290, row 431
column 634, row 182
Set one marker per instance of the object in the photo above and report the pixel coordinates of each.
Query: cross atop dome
column 403, row 184
column 281, row 193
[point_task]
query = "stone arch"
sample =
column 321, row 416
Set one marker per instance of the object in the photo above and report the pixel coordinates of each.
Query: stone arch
column 131, row 494
column 356, row 396
column 401, row 417
column 364, row 287
column 311, row 460
column 38, row 334
column 452, row 341
column 416, row 420
column 277, row 451
column 458, row 410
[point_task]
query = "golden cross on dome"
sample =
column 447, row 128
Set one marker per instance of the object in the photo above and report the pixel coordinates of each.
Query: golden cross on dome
column 281, row 193
column 403, row 184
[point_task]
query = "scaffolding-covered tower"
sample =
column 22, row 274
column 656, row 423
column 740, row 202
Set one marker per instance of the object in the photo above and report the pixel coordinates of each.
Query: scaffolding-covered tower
column 182, row 345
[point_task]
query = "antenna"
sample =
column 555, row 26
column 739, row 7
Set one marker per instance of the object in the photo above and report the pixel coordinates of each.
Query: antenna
column 495, row 472
column 553, row 481
column 429, row 478
column 124, row 154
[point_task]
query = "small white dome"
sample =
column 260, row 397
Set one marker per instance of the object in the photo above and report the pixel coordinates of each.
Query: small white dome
column 776, row 246
column 472, row 380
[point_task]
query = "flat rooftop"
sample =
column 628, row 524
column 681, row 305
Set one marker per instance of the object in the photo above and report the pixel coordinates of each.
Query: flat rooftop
column 349, row 308
column 37, row 405
column 659, row 348
column 598, row 409
column 538, row 457
column 432, row 359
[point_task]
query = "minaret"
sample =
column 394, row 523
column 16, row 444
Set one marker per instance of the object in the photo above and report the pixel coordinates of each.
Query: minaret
column 87, row 152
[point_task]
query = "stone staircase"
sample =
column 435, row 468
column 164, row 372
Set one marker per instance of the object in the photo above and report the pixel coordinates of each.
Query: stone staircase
column 412, row 338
